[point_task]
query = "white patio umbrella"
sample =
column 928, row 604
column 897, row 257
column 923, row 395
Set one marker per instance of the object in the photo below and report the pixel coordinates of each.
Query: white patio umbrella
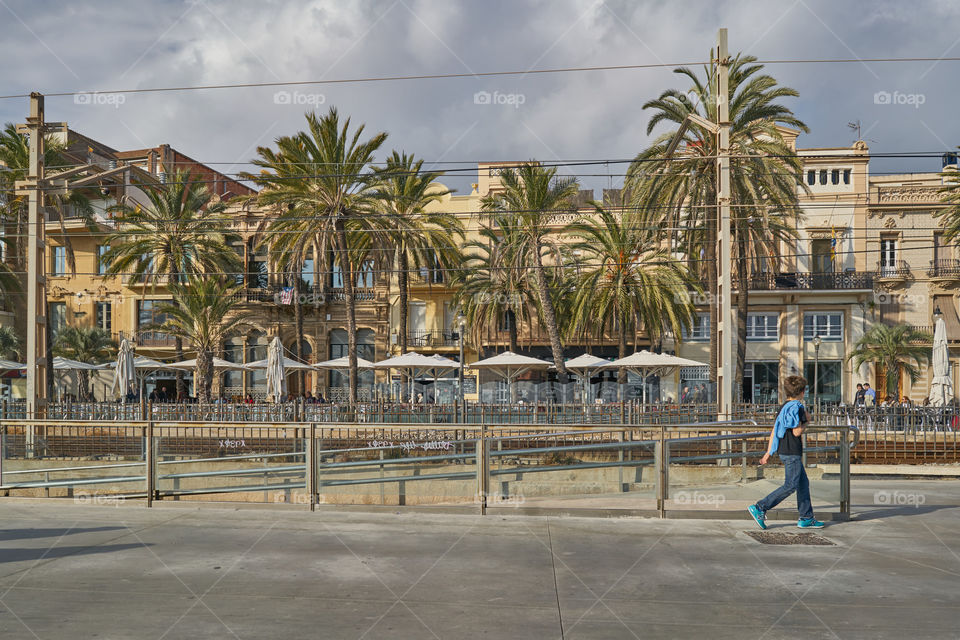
column 582, row 365
column 10, row 365
column 339, row 364
column 124, row 372
column 415, row 364
column 510, row 365
column 289, row 364
column 219, row 364
column 645, row 364
column 941, row 389
column 276, row 380
column 66, row 364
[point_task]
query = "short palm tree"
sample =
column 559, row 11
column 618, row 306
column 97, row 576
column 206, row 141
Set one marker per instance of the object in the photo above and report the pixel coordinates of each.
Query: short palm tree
column 628, row 279
column 180, row 232
column 418, row 238
column 681, row 192
column 204, row 314
column 10, row 344
column 532, row 194
column 894, row 350
column 489, row 291
column 319, row 184
column 91, row 345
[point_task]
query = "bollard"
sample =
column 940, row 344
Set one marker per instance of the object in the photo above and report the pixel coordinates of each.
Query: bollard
column 845, row 473
column 483, row 477
column 311, row 453
column 150, row 471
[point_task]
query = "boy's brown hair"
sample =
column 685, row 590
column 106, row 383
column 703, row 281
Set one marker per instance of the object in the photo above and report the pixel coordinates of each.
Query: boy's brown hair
column 793, row 386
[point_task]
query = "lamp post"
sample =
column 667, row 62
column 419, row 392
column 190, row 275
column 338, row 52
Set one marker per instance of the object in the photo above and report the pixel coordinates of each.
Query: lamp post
column 461, row 325
column 816, row 373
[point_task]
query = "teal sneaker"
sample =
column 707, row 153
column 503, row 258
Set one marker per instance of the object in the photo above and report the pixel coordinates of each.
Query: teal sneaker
column 758, row 516
column 812, row 523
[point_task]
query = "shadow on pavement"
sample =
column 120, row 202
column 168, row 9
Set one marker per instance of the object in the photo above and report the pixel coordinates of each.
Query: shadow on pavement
column 21, row 554
column 20, row 534
column 900, row 510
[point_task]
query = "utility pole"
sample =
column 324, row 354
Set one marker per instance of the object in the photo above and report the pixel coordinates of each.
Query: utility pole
column 727, row 326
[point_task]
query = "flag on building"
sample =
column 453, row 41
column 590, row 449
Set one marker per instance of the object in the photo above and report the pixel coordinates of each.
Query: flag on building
column 286, row 295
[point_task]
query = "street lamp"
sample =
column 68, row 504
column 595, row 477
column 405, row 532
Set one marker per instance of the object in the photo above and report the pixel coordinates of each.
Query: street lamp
column 816, row 373
column 461, row 325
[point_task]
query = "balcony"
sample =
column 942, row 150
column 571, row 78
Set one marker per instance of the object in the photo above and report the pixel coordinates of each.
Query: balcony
column 944, row 270
column 833, row 281
column 423, row 338
column 896, row 272
column 309, row 296
column 425, row 277
column 147, row 339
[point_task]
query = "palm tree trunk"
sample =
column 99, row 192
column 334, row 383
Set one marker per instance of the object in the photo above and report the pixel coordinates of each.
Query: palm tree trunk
column 622, row 353
column 512, row 332
column 204, row 374
column 84, row 383
column 47, row 352
column 298, row 323
column 403, row 283
column 178, row 341
column 346, row 268
column 550, row 318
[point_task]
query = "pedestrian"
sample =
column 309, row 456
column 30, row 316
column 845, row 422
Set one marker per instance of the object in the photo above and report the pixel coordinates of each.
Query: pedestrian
column 786, row 442
column 685, row 395
column 858, row 397
column 869, row 395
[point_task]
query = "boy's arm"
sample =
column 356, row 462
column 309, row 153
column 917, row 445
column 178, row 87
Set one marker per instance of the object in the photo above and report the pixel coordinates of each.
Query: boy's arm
column 798, row 431
column 773, row 440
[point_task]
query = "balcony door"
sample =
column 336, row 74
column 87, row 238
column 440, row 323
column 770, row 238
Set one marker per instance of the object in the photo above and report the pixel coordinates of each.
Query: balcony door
column 418, row 324
column 888, row 256
column 821, row 264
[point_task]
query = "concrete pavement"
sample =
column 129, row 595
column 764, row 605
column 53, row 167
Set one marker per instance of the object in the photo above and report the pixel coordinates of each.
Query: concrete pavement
column 183, row 571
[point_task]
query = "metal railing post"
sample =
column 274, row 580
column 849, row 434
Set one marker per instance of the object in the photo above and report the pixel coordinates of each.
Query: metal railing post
column 483, row 471
column 661, row 455
column 150, row 472
column 845, row 472
column 311, row 453
column 3, row 449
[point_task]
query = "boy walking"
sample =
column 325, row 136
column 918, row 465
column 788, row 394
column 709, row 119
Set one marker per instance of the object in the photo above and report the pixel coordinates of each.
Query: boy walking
column 786, row 442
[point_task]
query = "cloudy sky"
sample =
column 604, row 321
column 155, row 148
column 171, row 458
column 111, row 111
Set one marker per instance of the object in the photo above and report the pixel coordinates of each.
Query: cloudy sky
column 99, row 46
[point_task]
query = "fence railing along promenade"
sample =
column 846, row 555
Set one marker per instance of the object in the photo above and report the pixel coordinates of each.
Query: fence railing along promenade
column 657, row 470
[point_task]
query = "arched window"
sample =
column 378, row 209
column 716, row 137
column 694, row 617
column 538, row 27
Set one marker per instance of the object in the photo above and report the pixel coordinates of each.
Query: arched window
column 365, row 349
column 257, row 344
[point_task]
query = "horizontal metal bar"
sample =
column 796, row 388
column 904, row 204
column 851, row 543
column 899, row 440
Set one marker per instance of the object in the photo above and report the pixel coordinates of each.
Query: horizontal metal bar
column 626, row 444
column 389, row 461
column 232, row 472
column 227, row 458
column 73, row 482
column 566, row 467
column 433, row 476
column 238, row 489
column 58, row 469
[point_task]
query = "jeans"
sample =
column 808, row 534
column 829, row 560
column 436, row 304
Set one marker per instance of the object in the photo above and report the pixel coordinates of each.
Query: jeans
column 794, row 479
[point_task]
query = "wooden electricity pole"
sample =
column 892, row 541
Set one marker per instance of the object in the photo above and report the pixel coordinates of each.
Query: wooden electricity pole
column 727, row 327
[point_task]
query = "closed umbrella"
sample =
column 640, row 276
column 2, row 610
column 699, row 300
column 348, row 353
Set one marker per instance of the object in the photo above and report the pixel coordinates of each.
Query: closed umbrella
column 276, row 380
column 124, row 372
column 941, row 390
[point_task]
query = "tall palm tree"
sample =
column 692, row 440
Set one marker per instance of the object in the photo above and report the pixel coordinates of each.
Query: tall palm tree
column 488, row 288
column 419, row 238
column 627, row 279
column 895, row 350
column 92, row 345
column 681, row 193
column 181, row 231
column 204, row 314
column 949, row 215
column 10, row 343
column 532, row 193
column 319, row 184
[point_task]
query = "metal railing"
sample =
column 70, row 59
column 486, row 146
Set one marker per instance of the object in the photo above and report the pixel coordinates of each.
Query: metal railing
column 944, row 268
column 815, row 281
column 899, row 269
column 477, row 466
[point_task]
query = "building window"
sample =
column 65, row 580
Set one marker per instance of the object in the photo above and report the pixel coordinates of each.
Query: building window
column 336, row 276
column 829, row 326
column 700, row 329
column 101, row 266
column 823, row 176
column 58, row 317
column 508, row 320
column 835, row 176
column 148, row 318
column 821, row 256
column 365, row 349
column 811, row 177
column 431, row 271
column 59, row 262
column 888, row 256
column 826, row 377
column 763, row 326
column 104, row 316
column 846, row 176
column 306, row 273
column 761, row 382
column 365, row 275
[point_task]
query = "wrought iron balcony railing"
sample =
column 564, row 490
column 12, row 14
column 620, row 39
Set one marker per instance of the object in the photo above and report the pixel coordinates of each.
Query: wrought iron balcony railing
column 839, row 280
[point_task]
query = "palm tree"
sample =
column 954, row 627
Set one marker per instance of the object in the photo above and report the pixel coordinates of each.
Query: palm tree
column 204, row 314
column 895, row 350
column 531, row 194
column 488, row 289
column 10, row 344
column 181, row 231
column 627, row 279
column 681, row 193
column 91, row 345
column 421, row 238
column 950, row 195
column 319, row 184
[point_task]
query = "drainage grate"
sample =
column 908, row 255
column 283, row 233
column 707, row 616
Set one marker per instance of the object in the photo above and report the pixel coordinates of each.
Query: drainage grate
column 782, row 537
